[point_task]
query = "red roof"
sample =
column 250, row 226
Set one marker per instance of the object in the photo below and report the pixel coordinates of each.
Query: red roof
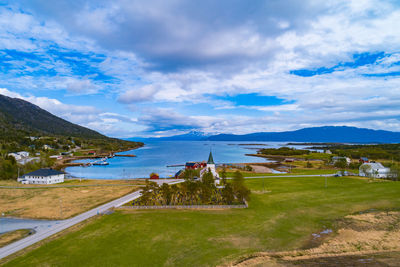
column 155, row 176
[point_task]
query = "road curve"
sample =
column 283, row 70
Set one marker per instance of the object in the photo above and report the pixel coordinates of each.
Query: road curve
column 30, row 240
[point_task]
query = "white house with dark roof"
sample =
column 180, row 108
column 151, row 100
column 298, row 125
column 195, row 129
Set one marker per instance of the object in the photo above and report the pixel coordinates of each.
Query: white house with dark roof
column 43, row 176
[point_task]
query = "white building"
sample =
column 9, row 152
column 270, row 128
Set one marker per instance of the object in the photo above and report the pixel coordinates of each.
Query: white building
column 19, row 155
column 210, row 168
column 43, row 176
column 374, row 169
column 15, row 156
column 47, row 147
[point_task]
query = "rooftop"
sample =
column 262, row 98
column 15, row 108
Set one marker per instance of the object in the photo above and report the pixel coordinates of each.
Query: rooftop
column 43, row 172
column 210, row 159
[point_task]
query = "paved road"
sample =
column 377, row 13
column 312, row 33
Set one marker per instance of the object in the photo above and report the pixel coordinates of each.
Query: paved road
column 30, row 240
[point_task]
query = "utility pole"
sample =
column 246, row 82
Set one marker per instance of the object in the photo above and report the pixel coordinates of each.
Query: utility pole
column 326, row 181
column 60, row 208
column 263, row 185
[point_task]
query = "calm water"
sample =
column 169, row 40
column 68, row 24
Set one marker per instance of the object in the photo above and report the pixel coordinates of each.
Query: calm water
column 155, row 156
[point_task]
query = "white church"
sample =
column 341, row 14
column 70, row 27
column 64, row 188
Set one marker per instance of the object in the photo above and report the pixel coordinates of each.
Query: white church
column 211, row 168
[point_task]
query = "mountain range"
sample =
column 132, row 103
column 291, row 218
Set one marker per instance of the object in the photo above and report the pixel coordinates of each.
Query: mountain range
column 20, row 118
column 331, row 134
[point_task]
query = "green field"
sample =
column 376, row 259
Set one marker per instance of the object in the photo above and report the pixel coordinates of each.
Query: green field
column 293, row 172
column 281, row 219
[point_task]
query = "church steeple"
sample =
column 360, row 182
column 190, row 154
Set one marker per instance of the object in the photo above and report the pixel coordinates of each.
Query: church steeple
column 210, row 159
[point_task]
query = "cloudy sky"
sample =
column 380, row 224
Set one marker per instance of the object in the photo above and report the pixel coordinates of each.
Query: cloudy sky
column 155, row 68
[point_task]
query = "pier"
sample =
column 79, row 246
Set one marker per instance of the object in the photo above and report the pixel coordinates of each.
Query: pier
column 126, row 155
column 175, row 165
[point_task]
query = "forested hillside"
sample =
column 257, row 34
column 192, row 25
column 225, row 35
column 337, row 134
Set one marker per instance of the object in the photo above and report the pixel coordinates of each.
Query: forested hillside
column 18, row 116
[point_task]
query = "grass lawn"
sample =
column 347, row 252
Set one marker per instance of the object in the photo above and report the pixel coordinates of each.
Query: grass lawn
column 294, row 172
column 59, row 203
column 283, row 218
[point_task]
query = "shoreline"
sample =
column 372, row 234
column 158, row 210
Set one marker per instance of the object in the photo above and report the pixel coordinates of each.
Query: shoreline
column 67, row 162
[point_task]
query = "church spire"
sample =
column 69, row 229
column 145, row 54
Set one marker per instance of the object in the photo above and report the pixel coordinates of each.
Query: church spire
column 210, row 159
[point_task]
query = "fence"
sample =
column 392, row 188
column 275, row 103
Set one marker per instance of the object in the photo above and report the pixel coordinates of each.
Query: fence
column 242, row 206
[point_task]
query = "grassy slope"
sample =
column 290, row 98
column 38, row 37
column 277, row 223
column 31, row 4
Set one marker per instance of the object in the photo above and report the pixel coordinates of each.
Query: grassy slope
column 9, row 237
column 280, row 220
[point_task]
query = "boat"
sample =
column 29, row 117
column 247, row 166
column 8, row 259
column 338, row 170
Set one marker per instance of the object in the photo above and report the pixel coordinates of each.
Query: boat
column 102, row 163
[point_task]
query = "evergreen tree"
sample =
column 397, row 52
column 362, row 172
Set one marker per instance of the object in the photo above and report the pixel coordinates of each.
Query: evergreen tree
column 166, row 193
column 223, row 176
column 207, row 187
column 239, row 188
column 227, row 193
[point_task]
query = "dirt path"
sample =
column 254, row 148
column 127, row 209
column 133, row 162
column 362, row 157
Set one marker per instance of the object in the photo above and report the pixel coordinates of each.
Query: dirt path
column 261, row 169
column 369, row 238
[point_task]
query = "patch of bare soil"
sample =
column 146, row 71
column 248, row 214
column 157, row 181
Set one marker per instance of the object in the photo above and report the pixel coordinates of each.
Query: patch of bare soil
column 371, row 239
column 261, row 169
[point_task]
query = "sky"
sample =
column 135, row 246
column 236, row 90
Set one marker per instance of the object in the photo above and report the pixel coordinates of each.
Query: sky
column 131, row 68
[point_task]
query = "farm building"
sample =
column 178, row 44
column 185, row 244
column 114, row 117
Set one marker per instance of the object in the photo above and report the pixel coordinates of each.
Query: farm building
column 374, row 170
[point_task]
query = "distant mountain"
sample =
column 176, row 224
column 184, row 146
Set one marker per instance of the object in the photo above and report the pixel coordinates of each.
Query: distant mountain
column 330, row 134
column 190, row 136
column 20, row 118
column 333, row 134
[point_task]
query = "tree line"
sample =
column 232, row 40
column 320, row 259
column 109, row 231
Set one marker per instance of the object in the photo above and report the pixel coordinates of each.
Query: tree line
column 196, row 192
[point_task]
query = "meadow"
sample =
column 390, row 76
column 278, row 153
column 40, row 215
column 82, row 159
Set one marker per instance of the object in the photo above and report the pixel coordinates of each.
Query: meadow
column 60, row 201
column 283, row 214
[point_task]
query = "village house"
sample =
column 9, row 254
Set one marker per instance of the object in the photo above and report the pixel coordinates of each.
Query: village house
column 42, row 176
column 19, row 155
column 47, row 147
column 374, row 170
column 154, row 176
column 336, row 159
column 195, row 165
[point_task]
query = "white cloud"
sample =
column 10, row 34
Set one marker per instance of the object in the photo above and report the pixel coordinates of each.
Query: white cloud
column 166, row 55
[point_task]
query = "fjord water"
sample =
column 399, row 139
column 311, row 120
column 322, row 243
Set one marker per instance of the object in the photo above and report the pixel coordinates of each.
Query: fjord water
column 156, row 155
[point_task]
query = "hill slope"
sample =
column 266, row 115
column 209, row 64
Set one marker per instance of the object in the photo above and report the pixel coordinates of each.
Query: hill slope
column 19, row 117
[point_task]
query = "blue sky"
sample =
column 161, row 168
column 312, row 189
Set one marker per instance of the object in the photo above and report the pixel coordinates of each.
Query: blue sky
column 157, row 68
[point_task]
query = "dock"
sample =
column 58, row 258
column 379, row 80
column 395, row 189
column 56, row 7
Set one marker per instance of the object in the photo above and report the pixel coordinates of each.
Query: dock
column 125, row 155
column 176, row 165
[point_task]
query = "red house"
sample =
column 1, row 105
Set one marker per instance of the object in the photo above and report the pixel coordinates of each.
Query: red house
column 154, row 176
column 364, row 160
column 195, row 165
